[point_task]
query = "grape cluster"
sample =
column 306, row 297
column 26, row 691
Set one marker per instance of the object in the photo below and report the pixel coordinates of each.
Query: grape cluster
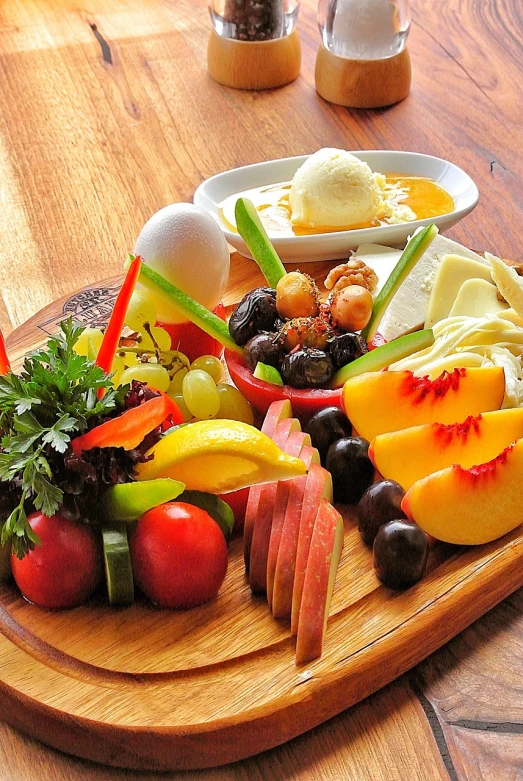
column 146, row 356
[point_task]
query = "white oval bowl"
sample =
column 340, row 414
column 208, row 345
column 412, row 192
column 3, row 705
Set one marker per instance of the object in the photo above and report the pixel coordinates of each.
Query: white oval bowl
column 336, row 245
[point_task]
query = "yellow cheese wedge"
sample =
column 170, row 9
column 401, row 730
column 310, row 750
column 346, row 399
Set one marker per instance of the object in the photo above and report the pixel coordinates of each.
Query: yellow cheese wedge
column 476, row 298
column 452, row 272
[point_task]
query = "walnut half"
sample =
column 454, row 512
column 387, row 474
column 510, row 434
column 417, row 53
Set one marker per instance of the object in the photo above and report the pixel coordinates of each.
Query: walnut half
column 353, row 272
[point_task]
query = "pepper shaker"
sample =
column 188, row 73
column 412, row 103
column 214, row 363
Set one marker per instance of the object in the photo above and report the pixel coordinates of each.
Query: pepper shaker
column 253, row 43
column 363, row 61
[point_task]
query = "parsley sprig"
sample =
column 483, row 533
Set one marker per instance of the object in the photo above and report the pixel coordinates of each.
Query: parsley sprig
column 54, row 397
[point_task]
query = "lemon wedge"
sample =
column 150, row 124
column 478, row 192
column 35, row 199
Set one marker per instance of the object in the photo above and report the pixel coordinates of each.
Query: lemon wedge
column 218, row 456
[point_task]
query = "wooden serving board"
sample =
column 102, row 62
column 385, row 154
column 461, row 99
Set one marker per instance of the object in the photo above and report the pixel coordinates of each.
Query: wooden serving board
column 145, row 688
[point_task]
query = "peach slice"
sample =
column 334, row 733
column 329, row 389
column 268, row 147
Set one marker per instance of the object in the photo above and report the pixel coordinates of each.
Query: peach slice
column 470, row 506
column 282, row 579
column 408, row 455
column 278, row 411
column 261, row 526
column 322, row 565
column 379, row 402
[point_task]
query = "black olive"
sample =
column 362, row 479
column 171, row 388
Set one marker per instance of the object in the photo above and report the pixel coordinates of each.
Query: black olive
column 265, row 348
column 351, row 468
column 307, row 368
column 256, row 312
column 400, row 553
column 346, row 348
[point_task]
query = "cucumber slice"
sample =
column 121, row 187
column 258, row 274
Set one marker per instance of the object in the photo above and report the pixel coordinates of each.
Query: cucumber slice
column 118, row 567
column 193, row 310
column 216, row 507
column 383, row 356
column 259, row 244
column 409, row 257
column 129, row 501
column 267, row 373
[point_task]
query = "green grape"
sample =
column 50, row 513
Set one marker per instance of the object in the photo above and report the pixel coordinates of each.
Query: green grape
column 152, row 373
column 129, row 358
column 209, row 364
column 140, row 310
column 200, row 394
column 89, row 343
column 117, row 370
column 161, row 337
column 233, row 405
column 182, row 406
column 177, row 380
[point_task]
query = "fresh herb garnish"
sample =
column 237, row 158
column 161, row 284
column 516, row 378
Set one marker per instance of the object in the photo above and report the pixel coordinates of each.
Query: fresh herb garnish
column 54, row 396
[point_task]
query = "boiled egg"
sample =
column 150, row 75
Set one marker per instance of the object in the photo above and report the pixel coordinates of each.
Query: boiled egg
column 184, row 244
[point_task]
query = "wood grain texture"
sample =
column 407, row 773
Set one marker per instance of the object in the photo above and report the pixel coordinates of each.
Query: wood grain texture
column 362, row 83
column 219, row 683
column 107, row 113
column 254, row 64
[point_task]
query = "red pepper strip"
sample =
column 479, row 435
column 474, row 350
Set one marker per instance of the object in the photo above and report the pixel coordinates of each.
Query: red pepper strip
column 113, row 331
column 131, row 427
column 4, row 360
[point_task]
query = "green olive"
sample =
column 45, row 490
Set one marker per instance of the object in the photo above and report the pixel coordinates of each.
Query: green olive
column 296, row 296
column 351, row 308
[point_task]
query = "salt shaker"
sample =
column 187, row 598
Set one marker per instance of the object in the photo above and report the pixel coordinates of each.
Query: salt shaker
column 253, row 43
column 363, row 61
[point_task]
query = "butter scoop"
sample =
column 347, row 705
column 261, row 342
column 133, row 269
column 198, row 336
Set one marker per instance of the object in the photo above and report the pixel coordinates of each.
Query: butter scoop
column 333, row 188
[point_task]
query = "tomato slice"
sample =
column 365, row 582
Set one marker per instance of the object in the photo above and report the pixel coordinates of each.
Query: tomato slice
column 190, row 340
column 261, row 394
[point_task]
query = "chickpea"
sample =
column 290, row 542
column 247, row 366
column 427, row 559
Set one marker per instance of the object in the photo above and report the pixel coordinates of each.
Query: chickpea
column 296, row 296
column 351, row 308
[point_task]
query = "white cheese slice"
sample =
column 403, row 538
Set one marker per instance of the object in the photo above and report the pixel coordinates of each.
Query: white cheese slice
column 509, row 284
column 407, row 310
column 476, row 298
column 452, row 272
column 381, row 260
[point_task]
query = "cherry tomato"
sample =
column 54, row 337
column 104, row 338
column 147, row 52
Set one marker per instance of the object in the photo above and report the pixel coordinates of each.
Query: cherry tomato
column 190, row 340
column 65, row 569
column 179, row 555
column 261, row 394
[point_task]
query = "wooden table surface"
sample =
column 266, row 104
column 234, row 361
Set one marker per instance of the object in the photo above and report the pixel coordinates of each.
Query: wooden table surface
column 107, row 114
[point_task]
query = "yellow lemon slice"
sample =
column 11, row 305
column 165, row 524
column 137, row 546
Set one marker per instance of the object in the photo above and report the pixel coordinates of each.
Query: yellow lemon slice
column 218, row 456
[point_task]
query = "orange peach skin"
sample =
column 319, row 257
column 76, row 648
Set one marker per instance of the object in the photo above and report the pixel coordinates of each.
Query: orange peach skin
column 322, row 565
column 379, row 402
column 418, row 451
column 470, row 506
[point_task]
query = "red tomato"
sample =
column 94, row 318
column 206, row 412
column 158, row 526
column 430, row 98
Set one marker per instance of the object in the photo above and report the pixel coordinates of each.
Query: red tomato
column 65, row 569
column 261, row 394
column 377, row 341
column 237, row 501
column 179, row 555
column 189, row 339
